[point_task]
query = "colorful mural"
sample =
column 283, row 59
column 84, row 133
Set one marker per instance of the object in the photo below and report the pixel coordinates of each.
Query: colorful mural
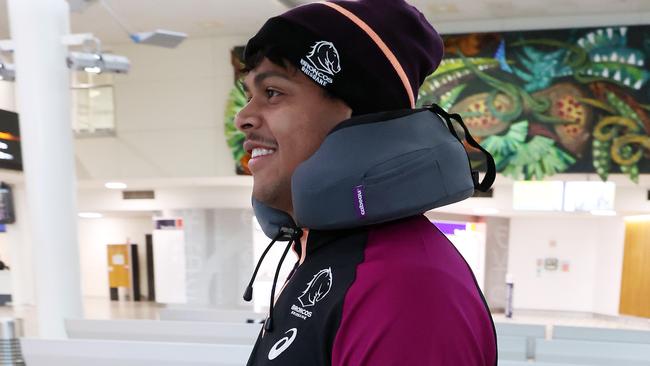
column 236, row 101
column 542, row 102
column 548, row 102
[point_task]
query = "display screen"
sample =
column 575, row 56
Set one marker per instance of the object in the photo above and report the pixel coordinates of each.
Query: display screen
column 10, row 155
column 7, row 215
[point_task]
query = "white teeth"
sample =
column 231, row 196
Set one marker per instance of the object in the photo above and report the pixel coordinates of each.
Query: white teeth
column 617, row 76
column 610, row 33
column 261, row 152
column 638, row 84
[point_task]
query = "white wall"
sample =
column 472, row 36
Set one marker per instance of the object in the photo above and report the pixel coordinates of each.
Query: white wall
column 593, row 247
column 609, row 267
column 7, row 98
column 169, row 114
column 95, row 234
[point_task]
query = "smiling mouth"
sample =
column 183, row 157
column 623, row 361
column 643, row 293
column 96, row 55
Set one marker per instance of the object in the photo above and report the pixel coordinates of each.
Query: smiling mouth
column 259, row 152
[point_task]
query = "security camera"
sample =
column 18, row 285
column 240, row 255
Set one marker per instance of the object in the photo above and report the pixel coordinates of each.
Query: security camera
column 7, row 72
column 98, row 62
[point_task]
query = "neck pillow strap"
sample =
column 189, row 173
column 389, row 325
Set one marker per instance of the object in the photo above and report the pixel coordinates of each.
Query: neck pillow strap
column 490, row 175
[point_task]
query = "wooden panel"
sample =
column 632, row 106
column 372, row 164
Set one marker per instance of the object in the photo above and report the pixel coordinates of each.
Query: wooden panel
column 635, row 286
column 119, row 272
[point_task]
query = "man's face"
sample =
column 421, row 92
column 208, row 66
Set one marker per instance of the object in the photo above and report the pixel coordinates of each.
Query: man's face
column 285, row 121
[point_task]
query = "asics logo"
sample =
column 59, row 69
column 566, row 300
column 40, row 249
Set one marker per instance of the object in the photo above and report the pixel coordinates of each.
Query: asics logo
column 282, row 345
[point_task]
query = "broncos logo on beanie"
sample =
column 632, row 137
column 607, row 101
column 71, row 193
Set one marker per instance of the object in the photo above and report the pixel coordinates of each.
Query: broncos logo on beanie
column 324, row 57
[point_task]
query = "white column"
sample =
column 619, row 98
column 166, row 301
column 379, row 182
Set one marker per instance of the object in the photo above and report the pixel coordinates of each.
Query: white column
column 20, row 252
column 43, row 100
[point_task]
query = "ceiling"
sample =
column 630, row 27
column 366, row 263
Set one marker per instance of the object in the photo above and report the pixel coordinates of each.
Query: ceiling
column 197, row 18
column 204, row 18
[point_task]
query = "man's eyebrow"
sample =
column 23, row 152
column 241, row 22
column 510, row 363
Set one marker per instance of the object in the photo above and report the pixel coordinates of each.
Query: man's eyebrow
column 260, row 77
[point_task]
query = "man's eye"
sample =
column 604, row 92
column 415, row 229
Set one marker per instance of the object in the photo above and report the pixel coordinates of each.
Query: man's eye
column 272, row 93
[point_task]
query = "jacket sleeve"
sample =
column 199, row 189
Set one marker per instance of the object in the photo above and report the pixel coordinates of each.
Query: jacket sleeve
column 412, row 316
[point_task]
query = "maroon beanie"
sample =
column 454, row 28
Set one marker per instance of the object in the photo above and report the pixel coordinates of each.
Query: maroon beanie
column 373, row 54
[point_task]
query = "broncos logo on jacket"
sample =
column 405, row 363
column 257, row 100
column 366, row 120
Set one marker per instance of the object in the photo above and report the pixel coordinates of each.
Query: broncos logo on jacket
column 317, row 288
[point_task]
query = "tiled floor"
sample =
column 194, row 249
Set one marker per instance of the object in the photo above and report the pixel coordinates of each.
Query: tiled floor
column 101, row 308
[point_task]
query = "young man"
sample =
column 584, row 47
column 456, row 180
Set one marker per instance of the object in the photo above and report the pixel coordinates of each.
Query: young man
column 395, row 293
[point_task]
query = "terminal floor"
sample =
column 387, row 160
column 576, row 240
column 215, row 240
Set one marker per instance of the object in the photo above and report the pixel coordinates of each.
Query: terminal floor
column 102, row 308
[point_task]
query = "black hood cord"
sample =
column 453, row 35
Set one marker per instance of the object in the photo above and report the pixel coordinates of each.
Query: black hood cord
column 293, row 235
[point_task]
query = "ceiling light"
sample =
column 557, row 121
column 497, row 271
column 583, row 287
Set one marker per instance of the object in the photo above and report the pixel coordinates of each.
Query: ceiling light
column 115, row 185
column 211, row 24
column 160, row 38
column 78, row 6
column 90, row 215
column 486, row 211
column 603, row 212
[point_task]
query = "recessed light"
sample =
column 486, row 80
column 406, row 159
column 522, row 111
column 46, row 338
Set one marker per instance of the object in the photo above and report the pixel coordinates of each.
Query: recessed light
column 486, row 211
column 90, row 215
column 603, row 212
column 211, row 24
column 115, row 185
column 443, row 9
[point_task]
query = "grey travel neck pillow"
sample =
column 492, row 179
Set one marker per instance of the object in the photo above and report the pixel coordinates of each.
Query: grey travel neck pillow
column 377, row 168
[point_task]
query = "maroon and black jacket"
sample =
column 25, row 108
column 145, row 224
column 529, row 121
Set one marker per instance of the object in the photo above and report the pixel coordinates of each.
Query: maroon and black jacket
column 394, row 294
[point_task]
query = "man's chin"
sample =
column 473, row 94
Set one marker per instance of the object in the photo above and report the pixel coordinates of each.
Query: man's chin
column 264, row 194
column 270, row 197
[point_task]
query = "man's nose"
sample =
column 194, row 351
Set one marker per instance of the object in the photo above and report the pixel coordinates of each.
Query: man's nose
column 247, row 118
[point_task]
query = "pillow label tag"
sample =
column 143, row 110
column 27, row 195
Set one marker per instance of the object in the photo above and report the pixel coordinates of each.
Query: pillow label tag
column 359, row 199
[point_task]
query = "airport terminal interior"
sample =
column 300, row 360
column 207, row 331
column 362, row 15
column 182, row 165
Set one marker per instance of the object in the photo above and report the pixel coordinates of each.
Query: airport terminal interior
column 127, row 235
